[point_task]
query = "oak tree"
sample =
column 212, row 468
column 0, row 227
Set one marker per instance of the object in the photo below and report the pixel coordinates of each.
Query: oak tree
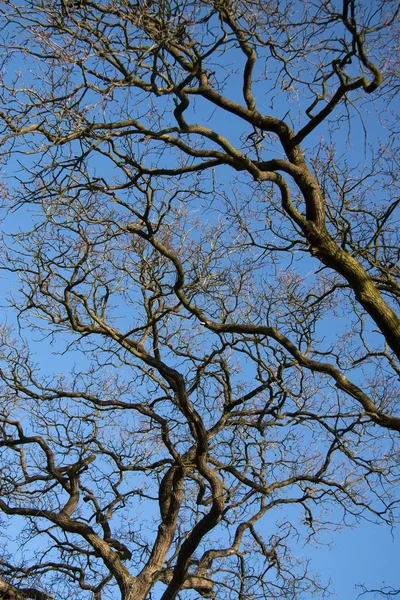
column 199, row 202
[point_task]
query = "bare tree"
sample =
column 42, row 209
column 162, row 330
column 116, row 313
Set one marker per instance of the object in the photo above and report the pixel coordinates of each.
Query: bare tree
column 207, row 241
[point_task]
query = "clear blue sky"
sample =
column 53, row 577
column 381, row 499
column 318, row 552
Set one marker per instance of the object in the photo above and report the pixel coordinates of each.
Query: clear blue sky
column 366, row 554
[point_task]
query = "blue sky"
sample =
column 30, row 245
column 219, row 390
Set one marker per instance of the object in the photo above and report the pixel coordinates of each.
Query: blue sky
column 366, row 554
